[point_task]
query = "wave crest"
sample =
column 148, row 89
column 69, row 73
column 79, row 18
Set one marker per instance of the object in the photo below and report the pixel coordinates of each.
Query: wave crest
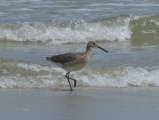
column 114, row 29
column 137, row 29
column 26, row 75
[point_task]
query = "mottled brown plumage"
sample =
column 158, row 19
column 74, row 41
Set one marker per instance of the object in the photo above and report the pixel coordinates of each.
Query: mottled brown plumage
column 74, row 61
column 65, row 58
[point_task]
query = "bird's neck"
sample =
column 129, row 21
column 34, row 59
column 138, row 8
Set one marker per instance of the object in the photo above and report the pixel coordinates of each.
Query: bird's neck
column 88, row 52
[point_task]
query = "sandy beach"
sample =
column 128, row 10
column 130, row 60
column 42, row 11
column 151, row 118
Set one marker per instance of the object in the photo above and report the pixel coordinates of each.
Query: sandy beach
column 82, row 104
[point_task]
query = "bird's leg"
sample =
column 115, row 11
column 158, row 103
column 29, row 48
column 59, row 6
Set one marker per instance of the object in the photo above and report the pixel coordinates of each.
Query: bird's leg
column 67, row 76
column 74, row 81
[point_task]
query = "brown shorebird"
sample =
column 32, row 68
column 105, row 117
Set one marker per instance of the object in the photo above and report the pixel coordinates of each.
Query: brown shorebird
column 74, row 61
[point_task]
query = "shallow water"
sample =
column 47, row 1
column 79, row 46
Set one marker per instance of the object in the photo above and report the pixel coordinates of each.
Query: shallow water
column 32, row 30
column 83, row 103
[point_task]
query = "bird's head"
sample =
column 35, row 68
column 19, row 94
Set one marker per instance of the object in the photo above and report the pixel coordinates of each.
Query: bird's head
column 92, row 44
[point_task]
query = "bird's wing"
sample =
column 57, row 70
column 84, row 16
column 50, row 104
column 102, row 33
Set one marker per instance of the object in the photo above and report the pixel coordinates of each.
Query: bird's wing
column 65, row 58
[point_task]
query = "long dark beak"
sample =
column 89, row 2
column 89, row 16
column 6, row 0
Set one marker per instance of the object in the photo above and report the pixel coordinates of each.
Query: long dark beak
column 102, row 49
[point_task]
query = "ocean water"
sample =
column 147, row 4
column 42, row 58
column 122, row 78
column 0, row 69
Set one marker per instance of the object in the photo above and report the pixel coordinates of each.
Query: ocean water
column 31, row 30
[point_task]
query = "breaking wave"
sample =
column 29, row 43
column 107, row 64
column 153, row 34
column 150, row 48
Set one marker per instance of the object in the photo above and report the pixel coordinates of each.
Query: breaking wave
column 15, row 74
column 137, row 29
column 108, row 29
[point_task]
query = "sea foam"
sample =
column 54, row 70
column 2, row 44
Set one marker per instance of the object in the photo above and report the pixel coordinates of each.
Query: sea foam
column 114, row 29
column 137, row 29
column 29, row 75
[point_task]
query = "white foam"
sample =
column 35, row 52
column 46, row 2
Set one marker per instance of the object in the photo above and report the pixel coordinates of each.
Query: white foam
column 75, row 32
column 26, row 75
column 126, row 77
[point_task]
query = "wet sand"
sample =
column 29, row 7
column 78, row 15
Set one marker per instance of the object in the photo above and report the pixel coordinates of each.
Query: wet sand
column 133, row 103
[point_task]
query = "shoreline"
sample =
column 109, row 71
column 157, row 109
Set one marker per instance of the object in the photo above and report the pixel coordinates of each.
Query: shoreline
column 82, row 103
